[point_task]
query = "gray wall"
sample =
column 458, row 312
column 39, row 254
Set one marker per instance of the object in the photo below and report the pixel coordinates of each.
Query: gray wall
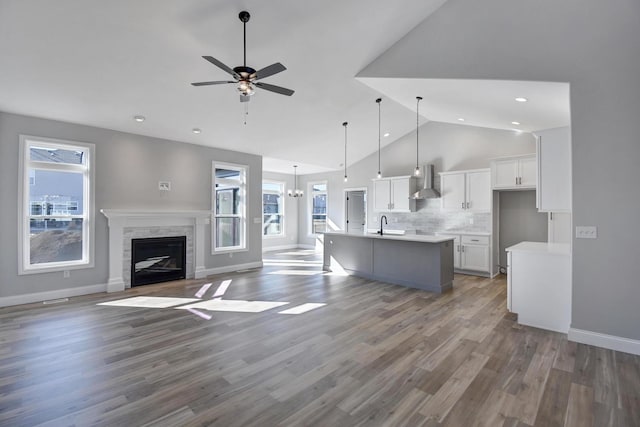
column 290, row 214
column 447, row 146
column 594, row 46
column 519, row 220
column 127, row 170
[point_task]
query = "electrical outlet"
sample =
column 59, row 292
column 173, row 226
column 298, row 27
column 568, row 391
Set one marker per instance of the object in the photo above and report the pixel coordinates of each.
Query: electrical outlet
column 66, row 274
column 394, row 219
column 586, row 232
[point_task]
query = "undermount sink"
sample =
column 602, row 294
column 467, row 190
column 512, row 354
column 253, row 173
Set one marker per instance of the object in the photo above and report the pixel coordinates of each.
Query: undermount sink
column 390, row 232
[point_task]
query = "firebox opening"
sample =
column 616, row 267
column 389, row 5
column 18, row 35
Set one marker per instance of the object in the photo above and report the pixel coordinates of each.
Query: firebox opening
column 158, row 259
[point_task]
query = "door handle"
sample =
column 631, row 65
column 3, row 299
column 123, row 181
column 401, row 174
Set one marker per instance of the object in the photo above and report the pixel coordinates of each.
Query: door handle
column 468, row 205
column 462, row 205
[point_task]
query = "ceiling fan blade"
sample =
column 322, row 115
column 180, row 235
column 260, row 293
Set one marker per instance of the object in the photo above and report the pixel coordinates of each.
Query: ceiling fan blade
column 274, row 88
column 221, row 82
column 244, row 98
column 222, row 66
column 270, row 70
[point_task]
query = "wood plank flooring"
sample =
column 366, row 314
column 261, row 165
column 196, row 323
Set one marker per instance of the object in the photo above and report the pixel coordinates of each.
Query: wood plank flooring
column 374, row 355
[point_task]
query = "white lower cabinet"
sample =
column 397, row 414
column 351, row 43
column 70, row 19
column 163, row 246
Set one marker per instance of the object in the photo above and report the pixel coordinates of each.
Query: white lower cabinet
column 539, row 284
column 471, row 253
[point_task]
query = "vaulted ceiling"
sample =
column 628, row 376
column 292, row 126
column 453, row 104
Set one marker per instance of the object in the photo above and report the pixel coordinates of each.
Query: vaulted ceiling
column 101, row 63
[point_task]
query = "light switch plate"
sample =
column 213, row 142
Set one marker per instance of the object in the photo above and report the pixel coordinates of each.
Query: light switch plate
column 586, row 232
column 164, row 185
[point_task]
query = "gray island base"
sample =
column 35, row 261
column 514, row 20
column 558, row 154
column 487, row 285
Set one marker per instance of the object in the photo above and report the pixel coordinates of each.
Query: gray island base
column 416, row 261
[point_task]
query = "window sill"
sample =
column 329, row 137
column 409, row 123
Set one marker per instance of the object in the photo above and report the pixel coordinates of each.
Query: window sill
column 230, row 250
column 56, row 268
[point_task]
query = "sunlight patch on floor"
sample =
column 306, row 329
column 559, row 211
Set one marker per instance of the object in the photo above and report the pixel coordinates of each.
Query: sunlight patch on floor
column 297, row 272
column 149, row 302
column 303, row 308
column 239, row 306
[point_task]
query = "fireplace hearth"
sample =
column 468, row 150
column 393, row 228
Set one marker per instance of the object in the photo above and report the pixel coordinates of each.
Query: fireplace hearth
column 158, row 259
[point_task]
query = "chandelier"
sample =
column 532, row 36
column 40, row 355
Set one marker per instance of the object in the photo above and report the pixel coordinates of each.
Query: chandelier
column 295, row 192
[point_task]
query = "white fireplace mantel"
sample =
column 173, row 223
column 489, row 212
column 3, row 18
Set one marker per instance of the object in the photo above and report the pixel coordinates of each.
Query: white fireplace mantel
column 121, row 218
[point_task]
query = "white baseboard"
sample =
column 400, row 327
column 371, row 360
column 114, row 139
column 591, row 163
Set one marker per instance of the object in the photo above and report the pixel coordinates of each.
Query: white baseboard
column 611, row 342
column 279, row 248
column 235, row 267
column 51, row 295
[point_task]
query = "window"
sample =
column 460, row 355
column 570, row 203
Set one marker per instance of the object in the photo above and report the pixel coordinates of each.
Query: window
column 229, row 207
column 318, row 207
column 272, row 209
column 56, row 212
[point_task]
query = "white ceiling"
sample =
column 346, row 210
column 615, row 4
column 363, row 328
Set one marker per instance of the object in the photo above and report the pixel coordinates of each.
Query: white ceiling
column 100, row 63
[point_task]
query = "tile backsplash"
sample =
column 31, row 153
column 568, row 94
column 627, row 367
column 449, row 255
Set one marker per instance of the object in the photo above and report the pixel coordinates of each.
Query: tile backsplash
column 429, row 218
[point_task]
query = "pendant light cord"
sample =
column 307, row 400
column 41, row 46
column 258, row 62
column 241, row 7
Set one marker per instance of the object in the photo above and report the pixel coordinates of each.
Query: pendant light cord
column 244, row 26
column 379, row 101
column 345, row 149
column 418, row 99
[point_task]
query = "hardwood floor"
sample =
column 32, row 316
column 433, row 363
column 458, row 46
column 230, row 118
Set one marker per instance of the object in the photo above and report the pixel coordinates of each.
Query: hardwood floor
column 375, row 354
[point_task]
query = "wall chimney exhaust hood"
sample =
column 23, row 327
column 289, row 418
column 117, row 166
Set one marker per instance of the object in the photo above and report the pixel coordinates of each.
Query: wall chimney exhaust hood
column 427, row 191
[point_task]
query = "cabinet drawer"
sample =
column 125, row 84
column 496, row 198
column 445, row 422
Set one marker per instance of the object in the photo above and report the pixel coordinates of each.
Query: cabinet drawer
column 475, row 240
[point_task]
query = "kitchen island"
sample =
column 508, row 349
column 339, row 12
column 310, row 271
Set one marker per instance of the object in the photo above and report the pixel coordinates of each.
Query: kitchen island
column 416, row 261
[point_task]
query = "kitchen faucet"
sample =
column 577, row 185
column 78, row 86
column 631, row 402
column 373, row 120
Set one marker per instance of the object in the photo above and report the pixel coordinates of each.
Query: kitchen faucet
column 385, row 221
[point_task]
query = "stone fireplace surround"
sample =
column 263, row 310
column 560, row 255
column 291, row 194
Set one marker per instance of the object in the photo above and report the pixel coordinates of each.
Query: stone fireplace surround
column 126, row 224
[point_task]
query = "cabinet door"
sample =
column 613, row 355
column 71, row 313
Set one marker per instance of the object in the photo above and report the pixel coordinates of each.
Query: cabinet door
column 505, row 173
column 554, row 169
column 453, row 197
column 400, row 189
column 559, row 227
column 456, row 255
column 528, row 172
column 479, row 191
column 475, row 258
column 381, row 195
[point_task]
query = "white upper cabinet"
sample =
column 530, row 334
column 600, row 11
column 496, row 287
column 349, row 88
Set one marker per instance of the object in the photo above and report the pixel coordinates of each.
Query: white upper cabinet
column 466, row 190
column 554, row 169
column 381, row 195
column 478, row 191
column 453, row 191
column 514, row 173
column 393, row 194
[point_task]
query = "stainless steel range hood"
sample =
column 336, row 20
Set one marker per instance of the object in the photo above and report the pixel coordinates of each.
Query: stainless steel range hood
column 427, row 191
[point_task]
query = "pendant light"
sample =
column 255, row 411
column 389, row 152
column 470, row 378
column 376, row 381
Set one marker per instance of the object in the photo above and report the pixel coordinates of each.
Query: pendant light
column 418, row 99
column 345, row 150
column 379, row 101
column 295, row 192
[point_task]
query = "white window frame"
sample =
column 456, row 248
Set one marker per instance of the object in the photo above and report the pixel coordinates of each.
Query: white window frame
column 283, row 219
column 310, row 207
column 244, row 170
column 24, row 205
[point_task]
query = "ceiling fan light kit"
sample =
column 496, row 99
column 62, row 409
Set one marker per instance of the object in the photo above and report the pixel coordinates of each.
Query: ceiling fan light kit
column 246, row 77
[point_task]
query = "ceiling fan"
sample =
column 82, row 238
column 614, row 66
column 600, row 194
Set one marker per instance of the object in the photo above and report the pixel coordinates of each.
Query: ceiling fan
column 246, row 77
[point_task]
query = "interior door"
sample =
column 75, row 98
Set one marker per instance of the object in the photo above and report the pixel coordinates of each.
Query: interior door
column 356, row 211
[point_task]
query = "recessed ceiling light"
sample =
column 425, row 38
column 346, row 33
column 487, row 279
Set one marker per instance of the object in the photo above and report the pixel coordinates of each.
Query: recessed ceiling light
column 386, row 134
column 460, row 119
column 521, row 99
column 515, row 123
column 139, row 119
column 196, row 130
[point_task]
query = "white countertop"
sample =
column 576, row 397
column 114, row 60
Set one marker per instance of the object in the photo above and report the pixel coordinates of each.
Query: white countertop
column 541, row 247
column 407, row 237
column 470, row 233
